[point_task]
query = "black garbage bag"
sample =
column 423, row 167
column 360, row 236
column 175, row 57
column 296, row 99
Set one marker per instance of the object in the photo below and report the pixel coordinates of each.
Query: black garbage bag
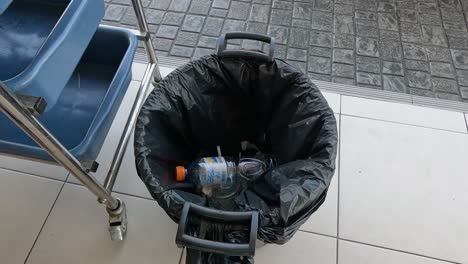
column 220, row 101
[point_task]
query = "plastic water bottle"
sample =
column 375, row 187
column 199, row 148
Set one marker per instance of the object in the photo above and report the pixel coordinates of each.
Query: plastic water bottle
column 220, row 176
column 214, row 176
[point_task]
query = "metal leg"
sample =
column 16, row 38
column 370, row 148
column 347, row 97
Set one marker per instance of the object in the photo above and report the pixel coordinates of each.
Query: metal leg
column 143, row 25
column 24, row 119
column 152, row 74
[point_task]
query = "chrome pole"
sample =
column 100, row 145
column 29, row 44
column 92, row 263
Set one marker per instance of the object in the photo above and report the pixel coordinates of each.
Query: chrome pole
column 122, row 146
column 24, row 119
column 143, row 25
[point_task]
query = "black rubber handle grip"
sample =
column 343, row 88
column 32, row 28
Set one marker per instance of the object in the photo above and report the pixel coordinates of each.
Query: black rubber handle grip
column 185, row 240
column 222, row 43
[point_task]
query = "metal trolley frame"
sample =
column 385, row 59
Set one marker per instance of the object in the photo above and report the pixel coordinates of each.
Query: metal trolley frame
column 22, row 110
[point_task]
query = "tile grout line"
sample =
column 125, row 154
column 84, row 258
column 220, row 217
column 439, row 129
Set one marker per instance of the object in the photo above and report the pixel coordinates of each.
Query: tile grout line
column 380, row 247
column 45, row 220
column 35, row 175
column 466, row 122
column 340, row 135
column 398, row 250
column 407, row 124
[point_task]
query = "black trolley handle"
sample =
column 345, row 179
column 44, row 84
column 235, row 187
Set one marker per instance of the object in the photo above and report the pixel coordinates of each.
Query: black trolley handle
column 222, row 43
column 185, row 240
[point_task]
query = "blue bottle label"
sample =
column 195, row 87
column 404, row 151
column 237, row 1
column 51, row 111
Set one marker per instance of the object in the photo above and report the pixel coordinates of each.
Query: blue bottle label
column 216, row 168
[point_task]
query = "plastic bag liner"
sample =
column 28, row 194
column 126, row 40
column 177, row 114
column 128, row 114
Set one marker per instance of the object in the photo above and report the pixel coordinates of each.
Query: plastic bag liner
column 216, row 101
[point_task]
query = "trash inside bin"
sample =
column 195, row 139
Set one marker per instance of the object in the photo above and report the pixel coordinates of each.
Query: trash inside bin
column 223, row 100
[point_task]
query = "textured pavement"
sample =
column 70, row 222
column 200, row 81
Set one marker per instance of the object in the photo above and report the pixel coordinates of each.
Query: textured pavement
column 415, row 47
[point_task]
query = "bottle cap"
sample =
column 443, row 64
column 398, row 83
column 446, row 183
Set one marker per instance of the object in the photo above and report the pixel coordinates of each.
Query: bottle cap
column 180, row 173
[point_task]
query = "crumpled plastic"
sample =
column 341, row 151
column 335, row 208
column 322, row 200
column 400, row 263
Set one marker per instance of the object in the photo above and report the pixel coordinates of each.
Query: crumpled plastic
column 216, row 101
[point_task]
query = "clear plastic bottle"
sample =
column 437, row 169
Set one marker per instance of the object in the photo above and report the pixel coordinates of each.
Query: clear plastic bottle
column 214, row 176
column 219, row 176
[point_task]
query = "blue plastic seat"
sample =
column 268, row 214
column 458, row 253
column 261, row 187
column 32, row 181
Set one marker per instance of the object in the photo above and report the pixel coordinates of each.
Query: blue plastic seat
column 4, row 5
column 42, row 41
column 86, row 107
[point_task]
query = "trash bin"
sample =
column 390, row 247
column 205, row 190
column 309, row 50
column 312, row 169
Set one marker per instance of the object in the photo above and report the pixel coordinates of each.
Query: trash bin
column 222, row 100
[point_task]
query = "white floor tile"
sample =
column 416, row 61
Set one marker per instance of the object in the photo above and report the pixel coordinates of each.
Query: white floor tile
column 25, row 202
column 165, row 71
column 404, row 187
column 324, row 220
column 403, row 113
column 302, row 248
column 76, row 232
column 33, row 167
column 334, row 101
column 353, row 253
column 138, row 70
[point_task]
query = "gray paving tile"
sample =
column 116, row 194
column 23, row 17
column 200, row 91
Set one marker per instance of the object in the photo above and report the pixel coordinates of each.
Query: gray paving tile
column 460, row 59
column 322, row 21
column 344, row 9
column 408, row 46
column 394, row 84
column 388, row 21
column 282, row 5
column 216, row 12
column 369, row 78
column 344, row 24
column 341, row 80
column 342, row 41
column 317, row 76
column 414, row 52
column 301, row 23
column 224, row 4
column 430, row 19
column 343, row 70
column 207, row 42
column 320, row 51
column 115, row 12
column 173, row 18
column 462, row 76
column 181, row 51
column 213, row 26
column 367, row 28
column 167, row 31
column 260, row 13
column 297, row 54
column 417, row 65
column 199, row 7
column 438, row 54
column 179, row 5
column 343, row 56
column 368, row 64
column 408, row 15
column 318, row 38
column 302, row 10
column 280, row 33
column 187, row 38
column 367, row 46
column 298, row 38
column 419, row 79
column 359, row 14
column 193, row 23
column 442, row 69
column 160, row 4
column 319, row 65
column 410, row 32
column 239, row 10
column 394, row 68
column 445, row 85
column 281, row 17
